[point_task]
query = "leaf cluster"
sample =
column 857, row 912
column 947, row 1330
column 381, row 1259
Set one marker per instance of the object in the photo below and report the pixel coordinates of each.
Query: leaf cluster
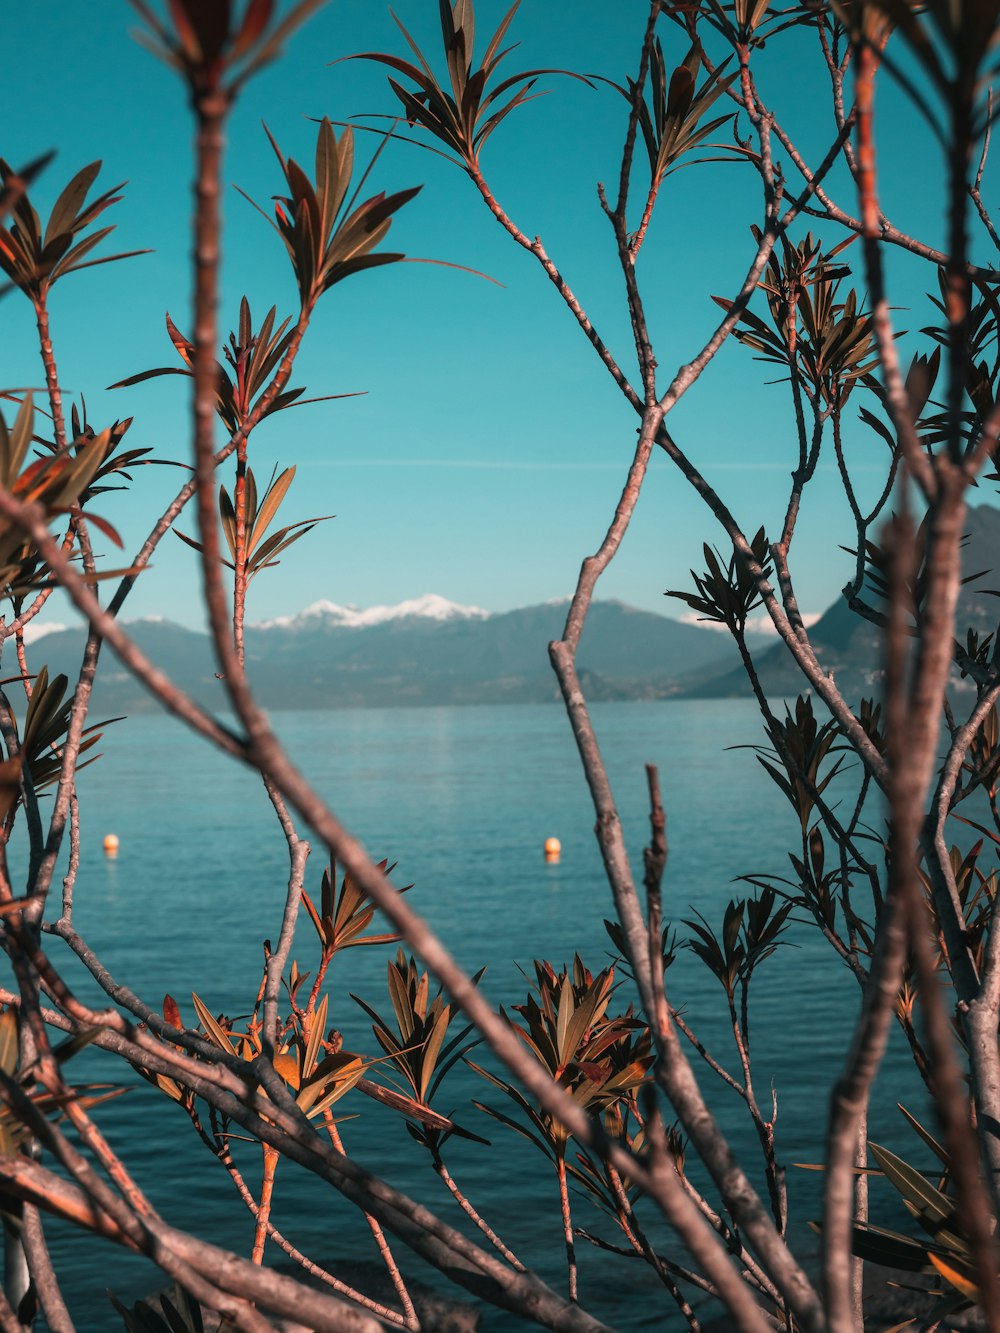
column 954, row 42
column 981, row 361
column 116, row 461
column 977, row 651
column 944, row 1251
column 418, row 1046
column 727, row 596
column 328, row 236
column 464, row 118
column 260, row 551
column 346, row 913
column 34, row 257
column 616, row 934
column 802, row 747
column 252, row 357
column 877, row 564
column 316, row 1076
column 565, row 1025
column 167, row 1085
column 918, row 385
column 976, row 890
column 821, row 888
column 828, row 341
column 57, row 481
column 671, row 118
column 751, row 22
column 14, row 1132
column 612, row 1192
column 180, row 1315
column 46, row 723
column 203, row 39
column 750, row 933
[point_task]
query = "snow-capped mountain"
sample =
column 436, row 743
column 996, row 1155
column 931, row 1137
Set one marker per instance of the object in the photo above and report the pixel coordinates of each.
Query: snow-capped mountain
column 424, row 651
column 430, row 606
column 432, row 651
column 39, row 629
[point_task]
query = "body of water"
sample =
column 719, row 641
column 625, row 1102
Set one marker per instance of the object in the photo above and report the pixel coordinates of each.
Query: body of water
column 462, row 799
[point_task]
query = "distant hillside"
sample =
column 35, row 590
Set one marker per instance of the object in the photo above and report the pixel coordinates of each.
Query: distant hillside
column 851, row 647
column 432, row 651
column 428, row 651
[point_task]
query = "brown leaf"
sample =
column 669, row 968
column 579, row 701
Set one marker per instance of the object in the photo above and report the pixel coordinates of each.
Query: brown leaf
column 681, row 91
column 10, row 784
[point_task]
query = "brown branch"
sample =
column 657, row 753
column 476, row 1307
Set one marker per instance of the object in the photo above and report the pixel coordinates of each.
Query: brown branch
column 9, row 1321
column 536, row 248
column 639, row 1241
column 654, row 857
column 221, row 1151
column 860, row 1217
column 628, row 152
column 263, row 1213
column 975, row 190
column 298, row 854
column 167, row 519
column 145, row 1232
column 952, row 1104
column 238, row 1099
column 881, row 322
column 703, row 1246
column 51, row 374
column 471, row 1212
column 378, row 1235
column 43, row 1275
column 567, row 1224
column 849, row 1097
column 980, row 1023
column 214, row 1270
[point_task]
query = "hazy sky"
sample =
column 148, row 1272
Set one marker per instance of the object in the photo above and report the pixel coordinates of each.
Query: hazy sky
column 485, row 459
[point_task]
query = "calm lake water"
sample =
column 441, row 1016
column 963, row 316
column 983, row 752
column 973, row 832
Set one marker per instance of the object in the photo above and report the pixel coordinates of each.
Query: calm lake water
column 462, row 799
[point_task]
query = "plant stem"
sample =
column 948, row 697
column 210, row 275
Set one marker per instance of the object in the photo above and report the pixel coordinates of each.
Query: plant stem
column 567, row 1225
column 51, row 374
column 271, row 1156
column 471, row 1212
column 240, row 557
column 392, row 1268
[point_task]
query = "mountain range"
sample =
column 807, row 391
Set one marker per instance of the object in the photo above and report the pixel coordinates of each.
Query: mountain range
column 432, row 651
column 427, row 651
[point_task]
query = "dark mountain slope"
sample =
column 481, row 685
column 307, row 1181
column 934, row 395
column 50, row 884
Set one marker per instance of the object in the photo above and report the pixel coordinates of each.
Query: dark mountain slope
column 850, row 646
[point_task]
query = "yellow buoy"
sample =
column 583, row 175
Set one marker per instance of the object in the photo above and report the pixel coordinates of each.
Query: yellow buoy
column 553, row 847
column 111, row 844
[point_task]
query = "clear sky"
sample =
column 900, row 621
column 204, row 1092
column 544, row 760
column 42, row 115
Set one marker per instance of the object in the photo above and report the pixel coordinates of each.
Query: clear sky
column 485, row 459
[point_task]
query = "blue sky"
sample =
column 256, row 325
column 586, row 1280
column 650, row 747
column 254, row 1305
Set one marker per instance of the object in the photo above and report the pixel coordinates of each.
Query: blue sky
column 486, row 455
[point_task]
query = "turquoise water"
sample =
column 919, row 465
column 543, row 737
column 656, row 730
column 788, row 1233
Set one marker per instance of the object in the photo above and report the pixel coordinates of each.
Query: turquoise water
column 462, row 799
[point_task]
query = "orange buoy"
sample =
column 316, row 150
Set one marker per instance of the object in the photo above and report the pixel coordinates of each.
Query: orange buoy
column 111, row 844
column 553, row 848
